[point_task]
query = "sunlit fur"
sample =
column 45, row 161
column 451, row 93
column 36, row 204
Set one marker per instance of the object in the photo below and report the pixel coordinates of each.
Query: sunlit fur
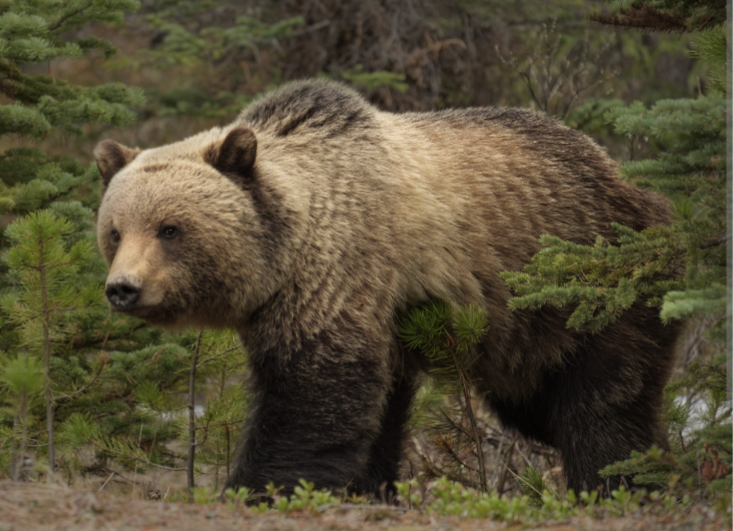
column 351, row 216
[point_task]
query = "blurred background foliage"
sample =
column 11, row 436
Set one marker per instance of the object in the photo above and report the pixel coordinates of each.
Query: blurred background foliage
column 200, row 60
column 122, row 397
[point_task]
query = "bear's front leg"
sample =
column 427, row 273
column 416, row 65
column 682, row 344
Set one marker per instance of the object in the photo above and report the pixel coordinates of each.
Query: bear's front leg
column 315, row 413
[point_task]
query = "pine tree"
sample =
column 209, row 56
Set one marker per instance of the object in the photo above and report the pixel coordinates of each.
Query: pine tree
column 54, row 325
column 216, row 357
column 39, row 262
column 447, row 339
column 203, row 46
column 22, row 381
column 212, row 367
column 34, row 33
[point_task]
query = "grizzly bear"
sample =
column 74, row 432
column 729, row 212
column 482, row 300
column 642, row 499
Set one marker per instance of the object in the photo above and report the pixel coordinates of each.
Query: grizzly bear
column 310, row 226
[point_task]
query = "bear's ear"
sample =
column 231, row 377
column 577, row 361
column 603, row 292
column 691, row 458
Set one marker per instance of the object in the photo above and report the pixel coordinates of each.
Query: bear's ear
column 111, row 158
column 236, row 154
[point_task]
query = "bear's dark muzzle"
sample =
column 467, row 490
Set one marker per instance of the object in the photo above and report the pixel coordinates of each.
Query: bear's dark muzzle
column 122, row 295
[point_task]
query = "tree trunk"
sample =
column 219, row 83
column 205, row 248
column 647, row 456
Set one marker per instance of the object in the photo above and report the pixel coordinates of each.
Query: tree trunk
column 192, row 418
column 478, row 440
column 48, row 396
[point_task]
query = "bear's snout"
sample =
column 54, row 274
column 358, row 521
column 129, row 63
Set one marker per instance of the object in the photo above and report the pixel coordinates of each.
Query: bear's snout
column 122, row 293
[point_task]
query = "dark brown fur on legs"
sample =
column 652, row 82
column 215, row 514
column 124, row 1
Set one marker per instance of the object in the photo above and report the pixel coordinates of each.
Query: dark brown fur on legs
column 386, row 451
column 604, row 402
column 610, row 397
column 296, row 430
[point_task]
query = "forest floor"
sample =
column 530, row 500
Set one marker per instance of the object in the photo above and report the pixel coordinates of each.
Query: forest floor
column 33, row 506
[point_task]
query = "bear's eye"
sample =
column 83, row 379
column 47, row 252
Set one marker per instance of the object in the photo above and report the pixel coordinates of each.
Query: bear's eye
column 114, row 236
column 169, row 232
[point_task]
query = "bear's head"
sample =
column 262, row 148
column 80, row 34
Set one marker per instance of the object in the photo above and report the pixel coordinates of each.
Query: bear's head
column 181, row 231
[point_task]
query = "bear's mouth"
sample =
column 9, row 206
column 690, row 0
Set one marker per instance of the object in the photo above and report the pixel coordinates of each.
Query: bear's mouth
column 154, row 315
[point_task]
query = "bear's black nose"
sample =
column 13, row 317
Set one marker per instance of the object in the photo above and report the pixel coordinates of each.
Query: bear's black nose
column 122, row 294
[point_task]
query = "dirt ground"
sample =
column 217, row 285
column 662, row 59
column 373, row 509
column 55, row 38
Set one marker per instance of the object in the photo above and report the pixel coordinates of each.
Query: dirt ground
column 31, row 507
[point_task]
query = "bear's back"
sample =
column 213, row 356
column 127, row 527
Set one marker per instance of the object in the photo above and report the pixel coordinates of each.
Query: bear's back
column 517, row 157
column 537, row 175
column 313, row 107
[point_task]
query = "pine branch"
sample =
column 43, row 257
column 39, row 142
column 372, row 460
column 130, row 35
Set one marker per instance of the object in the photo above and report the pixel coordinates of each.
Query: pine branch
column 68, row 16
column 82, row 389
column 664, row 16
column 219, row 356
column 645, row 18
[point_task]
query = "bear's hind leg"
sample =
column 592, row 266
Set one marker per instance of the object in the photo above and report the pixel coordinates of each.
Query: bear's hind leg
column 609, row 397
column 386, row 450
column 593, row 436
